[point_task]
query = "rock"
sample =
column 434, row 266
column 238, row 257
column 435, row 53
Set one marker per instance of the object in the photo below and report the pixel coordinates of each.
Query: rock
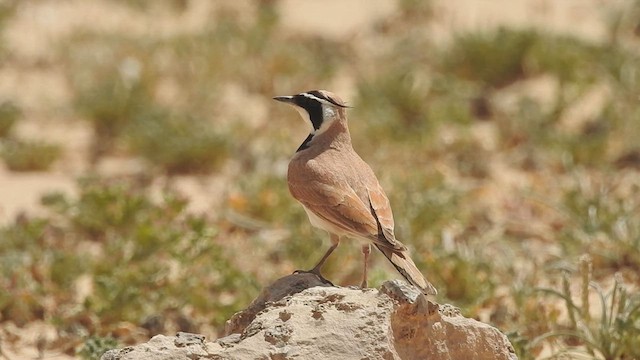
column 285, row 286
column 160, row 347
column 300, row 317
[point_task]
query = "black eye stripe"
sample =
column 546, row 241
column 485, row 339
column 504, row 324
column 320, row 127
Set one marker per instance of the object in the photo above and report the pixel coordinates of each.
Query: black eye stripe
column 313, row 107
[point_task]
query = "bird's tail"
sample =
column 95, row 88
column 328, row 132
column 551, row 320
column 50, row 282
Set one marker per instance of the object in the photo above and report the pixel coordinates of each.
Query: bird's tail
column 405, row 266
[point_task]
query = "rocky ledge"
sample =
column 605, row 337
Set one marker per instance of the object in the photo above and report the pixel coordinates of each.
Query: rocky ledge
column 299, row 317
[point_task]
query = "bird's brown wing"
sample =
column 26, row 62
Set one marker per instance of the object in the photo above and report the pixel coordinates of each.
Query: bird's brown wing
column 340, row 206
column 381, row 209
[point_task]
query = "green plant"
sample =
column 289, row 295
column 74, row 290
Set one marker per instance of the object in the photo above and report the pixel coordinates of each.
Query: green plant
column 612, row 333
column 21, row 155
column 495, row 59
column 147, row 257
column 399, row 104
column 105, row 209
column 113, row 79
column 604, row 219
column 7, row 10
column 144, row 5
column 21, row 287
column 416, row 10
column 111, row 104
column 9, row 115
column 178, row 143
column 94, row 347
column 395, row 101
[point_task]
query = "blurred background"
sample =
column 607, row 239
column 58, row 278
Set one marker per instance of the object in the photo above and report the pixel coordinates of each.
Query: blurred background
column 143, row 162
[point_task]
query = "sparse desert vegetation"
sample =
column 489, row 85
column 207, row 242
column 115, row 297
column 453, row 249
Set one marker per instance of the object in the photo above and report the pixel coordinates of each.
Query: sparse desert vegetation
column 510, row 156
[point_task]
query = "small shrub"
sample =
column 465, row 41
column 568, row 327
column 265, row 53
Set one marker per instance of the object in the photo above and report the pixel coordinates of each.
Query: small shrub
column 495, row 59
column 178, row 143
column 104, row 208
column 144, row 5
column 94, row 347
column 7, row 10
column 21, row 285
column 20, row 155
column 111, row 105
column 416, row 10
column 9, row 115
column 407, row 104
column 113, row 79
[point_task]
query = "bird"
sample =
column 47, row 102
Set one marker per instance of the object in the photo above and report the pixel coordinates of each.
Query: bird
column 339, row 191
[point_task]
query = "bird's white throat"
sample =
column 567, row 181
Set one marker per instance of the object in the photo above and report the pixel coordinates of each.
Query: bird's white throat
column 307, row 119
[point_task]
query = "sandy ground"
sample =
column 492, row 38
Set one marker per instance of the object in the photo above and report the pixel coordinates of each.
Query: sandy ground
column 43, row 94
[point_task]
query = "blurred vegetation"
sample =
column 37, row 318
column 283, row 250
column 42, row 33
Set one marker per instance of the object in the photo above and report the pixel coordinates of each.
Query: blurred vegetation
column 7, row 10
column 178, row 143
column 141, row 256
column 95, row 347
column 118, row 84
column 499, row 167
column 611, row 333
column 176, row 5
column 9, row 115
column 19, row 154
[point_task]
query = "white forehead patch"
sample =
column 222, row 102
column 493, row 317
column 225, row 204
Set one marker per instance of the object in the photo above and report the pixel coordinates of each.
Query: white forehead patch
column 322, row 101
column 311, row 96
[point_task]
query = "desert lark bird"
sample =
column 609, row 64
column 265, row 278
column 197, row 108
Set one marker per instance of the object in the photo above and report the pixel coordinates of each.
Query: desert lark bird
column 339, row 191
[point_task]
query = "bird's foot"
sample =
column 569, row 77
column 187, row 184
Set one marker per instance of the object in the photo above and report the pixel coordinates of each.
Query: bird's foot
column 364, row 284
column 316, row 273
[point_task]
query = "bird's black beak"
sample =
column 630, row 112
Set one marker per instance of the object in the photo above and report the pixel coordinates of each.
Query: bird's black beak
column 284, row 99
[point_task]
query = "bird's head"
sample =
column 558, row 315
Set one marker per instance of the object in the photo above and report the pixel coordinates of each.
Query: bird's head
column 320, row 108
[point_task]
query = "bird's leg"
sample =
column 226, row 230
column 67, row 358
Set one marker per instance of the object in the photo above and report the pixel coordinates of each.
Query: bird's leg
column 335, row 240
column 366, row 250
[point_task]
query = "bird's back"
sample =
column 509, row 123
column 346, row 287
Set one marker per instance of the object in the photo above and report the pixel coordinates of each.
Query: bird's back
column 328, row 173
